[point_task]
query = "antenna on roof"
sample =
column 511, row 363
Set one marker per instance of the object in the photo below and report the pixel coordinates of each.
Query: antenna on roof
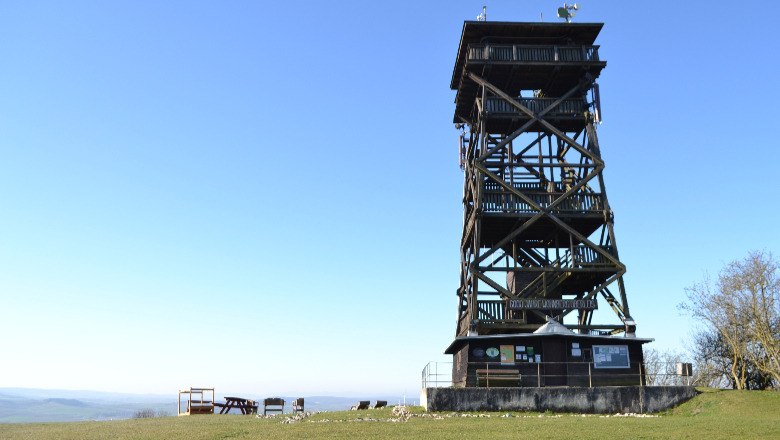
column 483, row 15
column 566, row 12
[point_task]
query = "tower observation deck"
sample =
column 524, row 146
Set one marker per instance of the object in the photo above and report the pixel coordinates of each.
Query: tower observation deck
column 538, row 243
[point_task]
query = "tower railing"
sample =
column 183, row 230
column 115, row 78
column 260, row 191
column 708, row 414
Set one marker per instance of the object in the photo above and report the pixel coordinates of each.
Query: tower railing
column 573, row 257
column 577, row 257
column 506, row 202
column 569, row 107
column 492, row 310
column 532, row 53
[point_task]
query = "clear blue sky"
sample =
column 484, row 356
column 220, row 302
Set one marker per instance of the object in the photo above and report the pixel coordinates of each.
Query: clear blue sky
column 187, row 185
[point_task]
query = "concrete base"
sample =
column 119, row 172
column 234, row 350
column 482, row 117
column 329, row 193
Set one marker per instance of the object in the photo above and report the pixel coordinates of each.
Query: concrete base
column 596, row 400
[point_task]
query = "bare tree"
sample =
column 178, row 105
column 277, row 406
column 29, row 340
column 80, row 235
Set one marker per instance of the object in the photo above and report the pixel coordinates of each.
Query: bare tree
column 661, row 367
column 715, row 367
column 739, row 335
column 722, row 325
column 755, row 286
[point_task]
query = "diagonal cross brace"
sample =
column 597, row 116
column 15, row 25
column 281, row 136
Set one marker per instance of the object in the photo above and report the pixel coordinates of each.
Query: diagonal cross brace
column 545, row 212
column 535, row 117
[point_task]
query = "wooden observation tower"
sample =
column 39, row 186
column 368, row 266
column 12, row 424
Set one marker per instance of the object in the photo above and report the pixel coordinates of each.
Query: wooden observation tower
column 538, row 243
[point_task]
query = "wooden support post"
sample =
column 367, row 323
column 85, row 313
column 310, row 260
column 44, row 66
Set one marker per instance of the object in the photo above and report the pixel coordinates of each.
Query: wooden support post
column 590, row 376
column 539, row 374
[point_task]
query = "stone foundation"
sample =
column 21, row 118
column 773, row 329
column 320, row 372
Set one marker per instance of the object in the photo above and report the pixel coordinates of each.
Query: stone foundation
column 596, row 400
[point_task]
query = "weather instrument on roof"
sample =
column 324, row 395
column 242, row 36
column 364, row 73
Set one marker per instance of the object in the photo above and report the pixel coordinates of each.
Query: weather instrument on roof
column 566, row 13
column 540, row 268
column 483, row 15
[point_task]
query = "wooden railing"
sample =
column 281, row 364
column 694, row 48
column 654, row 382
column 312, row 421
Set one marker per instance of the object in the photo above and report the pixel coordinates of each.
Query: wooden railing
column 544, row 282
column 568, row 107
column 520, row 186
column 576, row 257
column 491, row 310
column 585, row 256
column 527, row 53
column 506, row 202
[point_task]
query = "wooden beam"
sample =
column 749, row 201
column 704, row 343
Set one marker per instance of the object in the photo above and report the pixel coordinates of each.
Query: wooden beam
column 534, row 117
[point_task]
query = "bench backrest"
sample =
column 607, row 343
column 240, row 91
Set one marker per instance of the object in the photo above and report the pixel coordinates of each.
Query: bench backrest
column 497, row 372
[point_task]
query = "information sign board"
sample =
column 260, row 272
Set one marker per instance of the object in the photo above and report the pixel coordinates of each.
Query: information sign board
column 610, row 356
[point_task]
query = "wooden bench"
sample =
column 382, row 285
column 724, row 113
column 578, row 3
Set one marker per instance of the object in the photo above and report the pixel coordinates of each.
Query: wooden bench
column 494, row 376
column 273, row 404
column 204, row 407
column 297, row 405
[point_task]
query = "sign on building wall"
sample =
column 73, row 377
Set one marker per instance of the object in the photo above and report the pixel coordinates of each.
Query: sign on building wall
column 507, row 354
column 610, row 356
column 552, row 304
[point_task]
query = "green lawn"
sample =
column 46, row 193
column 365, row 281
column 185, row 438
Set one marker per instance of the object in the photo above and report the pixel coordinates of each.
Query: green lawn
column 712, row 415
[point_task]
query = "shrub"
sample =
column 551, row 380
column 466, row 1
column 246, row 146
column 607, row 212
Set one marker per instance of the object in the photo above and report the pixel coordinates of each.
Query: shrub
column 145, row 414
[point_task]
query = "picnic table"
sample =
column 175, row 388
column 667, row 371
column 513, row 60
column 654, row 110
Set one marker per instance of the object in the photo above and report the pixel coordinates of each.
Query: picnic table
column 246, row 406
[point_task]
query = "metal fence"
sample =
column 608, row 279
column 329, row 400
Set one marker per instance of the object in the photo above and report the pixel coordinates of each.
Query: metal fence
column 541, row 374
column 437, row 375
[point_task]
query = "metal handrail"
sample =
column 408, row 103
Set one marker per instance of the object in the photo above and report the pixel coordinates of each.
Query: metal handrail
column 439, row 374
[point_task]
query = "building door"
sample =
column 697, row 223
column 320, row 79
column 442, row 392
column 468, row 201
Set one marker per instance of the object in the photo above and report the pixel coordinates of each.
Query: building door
column 554, row 362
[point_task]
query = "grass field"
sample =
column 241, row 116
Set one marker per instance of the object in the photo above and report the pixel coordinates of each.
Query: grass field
column 711, row 415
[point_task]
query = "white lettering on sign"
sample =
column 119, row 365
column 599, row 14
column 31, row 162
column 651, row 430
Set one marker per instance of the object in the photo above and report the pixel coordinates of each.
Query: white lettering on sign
column 552, row 304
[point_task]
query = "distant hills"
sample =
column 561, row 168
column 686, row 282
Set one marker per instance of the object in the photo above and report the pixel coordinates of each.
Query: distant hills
column 19, row 405
column 66, row 402
column 25, row 405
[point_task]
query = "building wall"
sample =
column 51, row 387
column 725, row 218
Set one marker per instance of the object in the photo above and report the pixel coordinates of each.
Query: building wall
column 460, row 367
column 562, row 362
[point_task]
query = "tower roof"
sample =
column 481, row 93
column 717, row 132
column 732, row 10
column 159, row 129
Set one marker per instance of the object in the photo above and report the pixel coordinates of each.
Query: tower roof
column 553, row 327
column 508, row 32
